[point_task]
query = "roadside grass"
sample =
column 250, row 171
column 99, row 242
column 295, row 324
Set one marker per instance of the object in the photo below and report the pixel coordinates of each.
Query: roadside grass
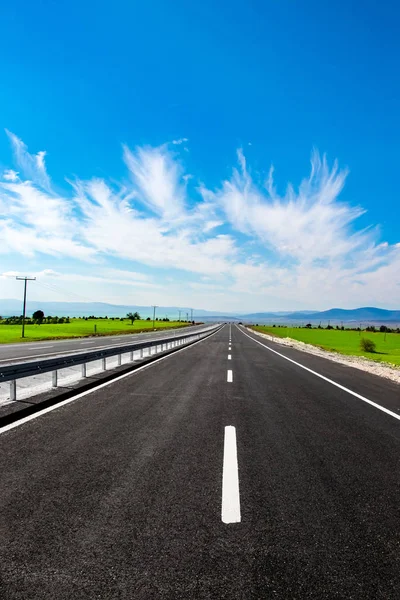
column 344, row 342
column 11, row 334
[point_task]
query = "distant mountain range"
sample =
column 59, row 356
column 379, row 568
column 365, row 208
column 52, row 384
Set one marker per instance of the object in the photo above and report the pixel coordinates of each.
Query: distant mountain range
column 85, row 309
column 358, row 315
column 98, row 309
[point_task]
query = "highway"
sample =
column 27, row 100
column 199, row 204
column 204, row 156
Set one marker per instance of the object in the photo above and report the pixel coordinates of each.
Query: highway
column 24, row 351
column 204, row 476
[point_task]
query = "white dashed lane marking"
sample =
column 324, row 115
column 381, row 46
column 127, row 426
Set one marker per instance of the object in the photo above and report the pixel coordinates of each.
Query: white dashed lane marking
column 230, row 512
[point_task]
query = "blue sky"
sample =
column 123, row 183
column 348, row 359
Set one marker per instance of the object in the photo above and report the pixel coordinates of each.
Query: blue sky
column 116, row 211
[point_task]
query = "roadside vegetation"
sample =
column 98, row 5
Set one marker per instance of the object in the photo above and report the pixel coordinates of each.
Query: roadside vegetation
column 378, row 344
column 41, row 327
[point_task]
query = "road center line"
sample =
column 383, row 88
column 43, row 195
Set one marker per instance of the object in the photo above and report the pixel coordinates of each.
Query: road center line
column 338, row 385
column 229, row 376
column 229, row 356
column 230, row 512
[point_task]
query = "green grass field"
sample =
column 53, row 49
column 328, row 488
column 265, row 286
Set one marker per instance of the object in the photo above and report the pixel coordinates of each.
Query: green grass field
column 344, row 342
column 11, row 334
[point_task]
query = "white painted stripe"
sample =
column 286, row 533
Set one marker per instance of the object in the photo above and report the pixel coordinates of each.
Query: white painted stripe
column 41, row 347
column 99, row 387
column 230, row 512
column 229, row 356
column 338, row 385
column 87, row 342
column 229, row 376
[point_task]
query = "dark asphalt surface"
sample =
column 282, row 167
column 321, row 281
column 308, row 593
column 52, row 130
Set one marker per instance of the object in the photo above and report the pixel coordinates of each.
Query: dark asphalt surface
column 25, row 351
column 118, row 495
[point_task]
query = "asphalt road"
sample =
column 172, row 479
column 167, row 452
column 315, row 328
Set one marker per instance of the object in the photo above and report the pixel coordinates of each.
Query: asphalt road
column 25, row 351
column 118, row 495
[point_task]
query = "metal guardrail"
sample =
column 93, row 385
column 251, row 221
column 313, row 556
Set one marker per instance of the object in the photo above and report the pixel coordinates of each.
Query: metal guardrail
column 11, row 373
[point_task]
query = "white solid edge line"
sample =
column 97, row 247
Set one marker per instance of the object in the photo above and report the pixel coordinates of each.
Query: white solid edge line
column 99, row 387
column 229, row 356
column 338, row 385
column 230, row 511
column 229, row 376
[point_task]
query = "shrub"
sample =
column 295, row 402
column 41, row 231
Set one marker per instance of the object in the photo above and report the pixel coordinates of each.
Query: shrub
column 367, row 345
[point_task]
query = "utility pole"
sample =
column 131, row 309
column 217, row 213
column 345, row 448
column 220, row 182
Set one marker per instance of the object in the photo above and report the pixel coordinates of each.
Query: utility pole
column 179, row 314
column 25, row 279
column 191, row 314
column 154, row 313
column 187, row 317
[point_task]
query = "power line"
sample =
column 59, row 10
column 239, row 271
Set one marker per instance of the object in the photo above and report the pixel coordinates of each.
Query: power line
column 154, row 313
column 59, row 290
column 25, row 280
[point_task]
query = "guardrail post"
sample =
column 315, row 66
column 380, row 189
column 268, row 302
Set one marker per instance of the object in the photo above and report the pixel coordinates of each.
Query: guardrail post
column 84, row 370
column 103, row 364
column 54, row 377
column 13, row 389
column 141, row 352
column 131, row 356
column 119, row 360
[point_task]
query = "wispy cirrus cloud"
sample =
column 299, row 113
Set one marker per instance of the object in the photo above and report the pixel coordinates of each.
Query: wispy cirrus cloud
column 32, row 165
column 250, row 243
column 308, row 225
column 158, row 179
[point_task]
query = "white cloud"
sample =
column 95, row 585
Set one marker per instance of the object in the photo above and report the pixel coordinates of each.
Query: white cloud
column 9, row 274
column 10, row 175
column 303, row 248
column 180, row 141
column 307, row 225
column 32, row 165
column 159, row 180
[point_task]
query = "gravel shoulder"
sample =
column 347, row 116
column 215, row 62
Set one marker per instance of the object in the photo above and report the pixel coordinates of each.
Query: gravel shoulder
column 358, row 362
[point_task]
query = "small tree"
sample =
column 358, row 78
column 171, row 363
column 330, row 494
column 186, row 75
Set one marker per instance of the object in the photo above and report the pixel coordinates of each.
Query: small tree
column 38, row 316
column 133, row 316
column 367, row 345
